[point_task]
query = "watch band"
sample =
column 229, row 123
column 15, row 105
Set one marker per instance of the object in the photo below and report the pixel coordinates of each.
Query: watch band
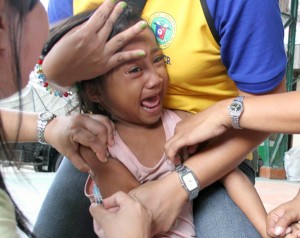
column 236, row 122
column 188, row 181
column 43, row 119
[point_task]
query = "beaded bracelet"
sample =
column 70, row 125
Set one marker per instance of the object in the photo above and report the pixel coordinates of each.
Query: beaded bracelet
column 38, row 71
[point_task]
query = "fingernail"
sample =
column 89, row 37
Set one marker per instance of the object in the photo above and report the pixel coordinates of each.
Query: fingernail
column 101, row 158
column 288, row 230
column 123, row 5
column 143, row 25
column 278, row 230
column 104, row 160
column 140, row 53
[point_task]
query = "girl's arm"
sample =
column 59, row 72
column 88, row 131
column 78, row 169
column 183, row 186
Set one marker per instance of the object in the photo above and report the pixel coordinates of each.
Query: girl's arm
column 111, row 176
column 245, row 196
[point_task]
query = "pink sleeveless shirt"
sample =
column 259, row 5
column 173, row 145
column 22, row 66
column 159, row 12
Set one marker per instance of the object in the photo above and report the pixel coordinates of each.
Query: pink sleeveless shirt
column 184, row 225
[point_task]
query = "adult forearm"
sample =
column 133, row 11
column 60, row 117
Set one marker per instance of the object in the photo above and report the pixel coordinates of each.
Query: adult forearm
column 223, row 154
column 18, row 125
column 272, row 113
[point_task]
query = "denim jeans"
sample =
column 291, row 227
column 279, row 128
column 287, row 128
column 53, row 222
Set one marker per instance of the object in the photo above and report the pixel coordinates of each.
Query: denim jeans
column 65, row 211
column 216, row 215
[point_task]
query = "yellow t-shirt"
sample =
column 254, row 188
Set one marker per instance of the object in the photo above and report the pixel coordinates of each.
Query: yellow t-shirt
column 81, row 6
column 197, row 76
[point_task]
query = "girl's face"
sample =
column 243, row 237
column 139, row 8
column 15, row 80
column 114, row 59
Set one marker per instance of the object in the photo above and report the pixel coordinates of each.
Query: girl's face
column 34, row 34
column 135, row 90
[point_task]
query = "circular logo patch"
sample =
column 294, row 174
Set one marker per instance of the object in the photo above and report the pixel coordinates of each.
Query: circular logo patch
column 164, row 28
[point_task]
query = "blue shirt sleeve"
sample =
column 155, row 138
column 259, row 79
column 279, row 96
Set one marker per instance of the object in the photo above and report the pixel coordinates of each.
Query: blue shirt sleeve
column 251, row 39
column 59, row 10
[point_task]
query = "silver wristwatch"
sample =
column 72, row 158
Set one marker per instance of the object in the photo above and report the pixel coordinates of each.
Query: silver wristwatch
column 189, row 181
column 43, row 119
column 236, row 109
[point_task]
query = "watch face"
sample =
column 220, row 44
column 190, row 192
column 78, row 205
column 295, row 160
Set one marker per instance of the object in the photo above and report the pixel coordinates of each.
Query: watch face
column 236, row 106
column 190, row 181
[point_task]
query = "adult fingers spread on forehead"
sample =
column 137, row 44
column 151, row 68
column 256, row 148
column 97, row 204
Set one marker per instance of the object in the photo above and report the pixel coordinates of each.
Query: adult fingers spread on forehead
column 122, row 38
column 101, row 15
column 119, row 41
column 111, row 20
column 121, row 57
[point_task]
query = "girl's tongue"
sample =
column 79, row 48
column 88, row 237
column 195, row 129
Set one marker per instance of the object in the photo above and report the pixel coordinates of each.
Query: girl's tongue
column 151, row 102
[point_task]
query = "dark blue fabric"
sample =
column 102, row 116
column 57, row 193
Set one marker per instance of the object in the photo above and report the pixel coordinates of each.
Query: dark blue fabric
column 59, row 10
column 251, row 39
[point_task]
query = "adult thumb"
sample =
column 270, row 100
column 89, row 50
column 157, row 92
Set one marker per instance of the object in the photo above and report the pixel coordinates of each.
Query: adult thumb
column 97, row 211
column 282, row 226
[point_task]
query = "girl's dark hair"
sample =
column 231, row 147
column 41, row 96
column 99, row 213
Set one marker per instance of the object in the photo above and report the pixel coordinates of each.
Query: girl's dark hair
column 131, row 15
column 15, row 10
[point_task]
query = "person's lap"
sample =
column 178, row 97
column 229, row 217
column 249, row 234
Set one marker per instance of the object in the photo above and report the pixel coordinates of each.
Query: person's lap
column 65, row 211
column 216, row 215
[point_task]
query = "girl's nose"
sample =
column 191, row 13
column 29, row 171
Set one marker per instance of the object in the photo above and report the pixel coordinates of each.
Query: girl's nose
column 154, row 80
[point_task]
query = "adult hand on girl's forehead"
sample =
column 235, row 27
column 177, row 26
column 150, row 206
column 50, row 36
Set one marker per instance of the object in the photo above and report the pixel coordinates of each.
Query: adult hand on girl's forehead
column 84, row 53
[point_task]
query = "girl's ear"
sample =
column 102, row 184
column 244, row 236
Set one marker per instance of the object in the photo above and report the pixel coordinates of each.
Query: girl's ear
column 93, row 93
